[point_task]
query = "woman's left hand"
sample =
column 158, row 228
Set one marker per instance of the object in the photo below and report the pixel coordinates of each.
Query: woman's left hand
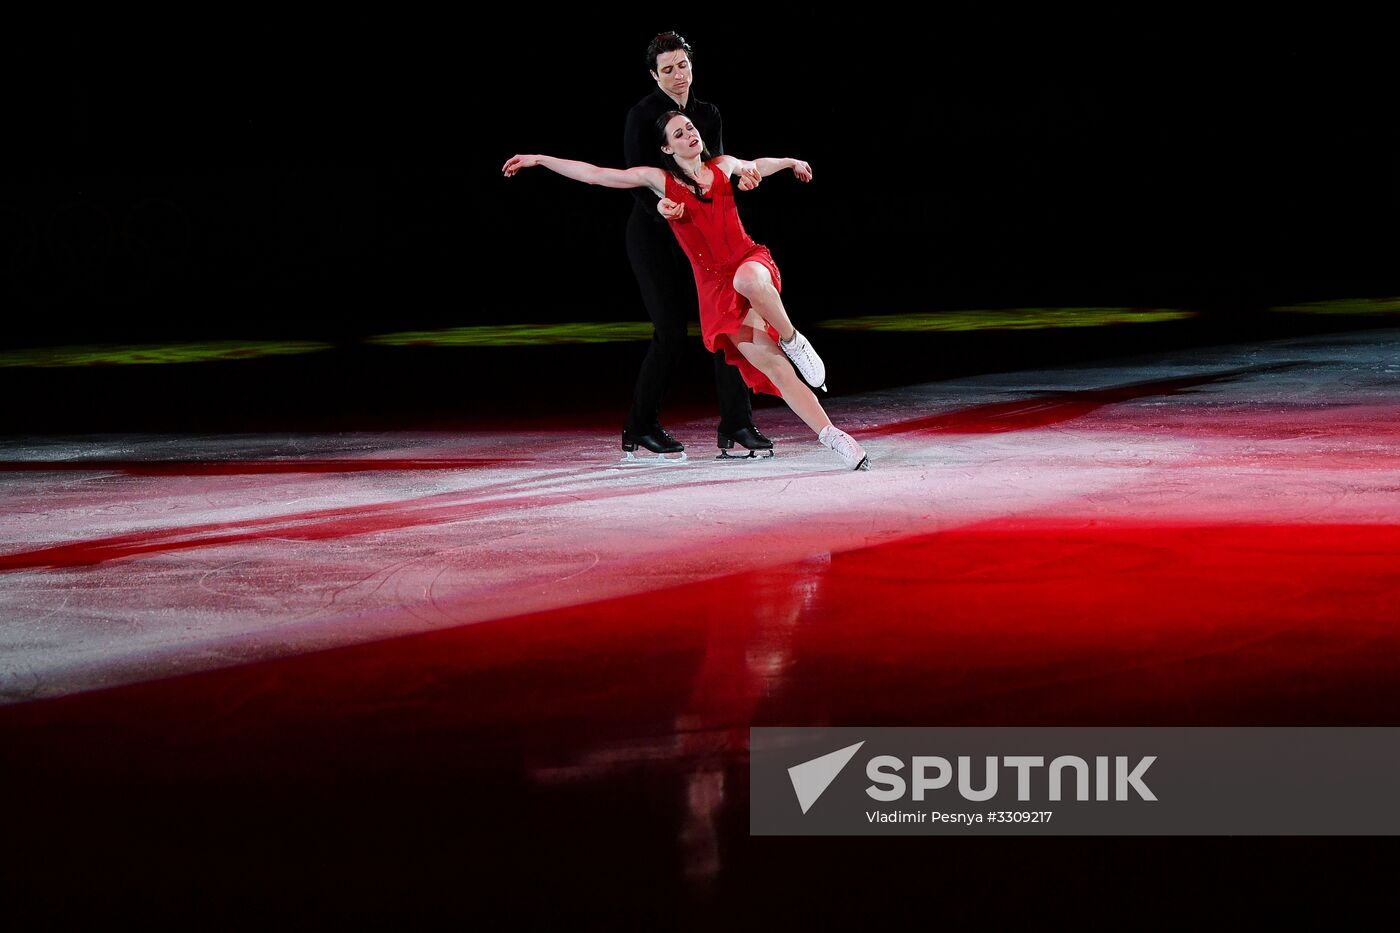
column 517, row 162
column 671, row 210
column 802, row 170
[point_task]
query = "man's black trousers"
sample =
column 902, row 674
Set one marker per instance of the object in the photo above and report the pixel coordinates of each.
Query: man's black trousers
column 668, row 291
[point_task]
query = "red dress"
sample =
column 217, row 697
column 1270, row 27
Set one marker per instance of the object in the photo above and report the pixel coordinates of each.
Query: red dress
column 714, row 239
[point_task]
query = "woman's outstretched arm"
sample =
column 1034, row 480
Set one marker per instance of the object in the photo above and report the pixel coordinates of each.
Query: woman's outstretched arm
column 765, row 167
column 640, row 177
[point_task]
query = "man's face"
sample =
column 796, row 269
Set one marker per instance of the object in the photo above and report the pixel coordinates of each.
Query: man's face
column 672, row 72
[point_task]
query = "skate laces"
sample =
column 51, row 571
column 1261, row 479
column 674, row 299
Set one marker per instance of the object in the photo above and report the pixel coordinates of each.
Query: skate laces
column 839, row 441
column 808, row 364
column 798, row 344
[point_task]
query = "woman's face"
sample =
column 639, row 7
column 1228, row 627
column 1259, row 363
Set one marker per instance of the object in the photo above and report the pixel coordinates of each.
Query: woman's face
column 682, row 138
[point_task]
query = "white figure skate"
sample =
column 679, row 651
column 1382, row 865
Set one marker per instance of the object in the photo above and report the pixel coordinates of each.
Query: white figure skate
column 805, row 360
column 851, row 453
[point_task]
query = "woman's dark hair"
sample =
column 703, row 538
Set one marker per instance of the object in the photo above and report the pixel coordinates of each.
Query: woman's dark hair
column 668, row 161
column 666, row 42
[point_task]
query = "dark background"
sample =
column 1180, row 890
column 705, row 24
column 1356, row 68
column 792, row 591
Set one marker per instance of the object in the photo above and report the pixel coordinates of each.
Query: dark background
column 337, row 177
column 249, row 175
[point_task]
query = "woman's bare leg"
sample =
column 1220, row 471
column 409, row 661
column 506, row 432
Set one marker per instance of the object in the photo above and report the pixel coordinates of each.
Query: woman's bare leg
column 760, row 350
column 754, row 282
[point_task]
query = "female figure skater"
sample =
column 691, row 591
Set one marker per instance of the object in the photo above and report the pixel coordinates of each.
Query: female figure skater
column 738, row 281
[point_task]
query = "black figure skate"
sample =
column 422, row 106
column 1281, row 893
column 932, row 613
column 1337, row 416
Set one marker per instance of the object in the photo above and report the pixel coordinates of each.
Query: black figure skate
column 658, row 440
column 758, row 446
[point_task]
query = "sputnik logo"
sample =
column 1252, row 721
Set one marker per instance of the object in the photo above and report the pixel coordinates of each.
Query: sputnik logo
column 811, row 778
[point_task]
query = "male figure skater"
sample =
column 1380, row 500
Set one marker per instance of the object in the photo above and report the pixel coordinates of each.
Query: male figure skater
column 663, row 272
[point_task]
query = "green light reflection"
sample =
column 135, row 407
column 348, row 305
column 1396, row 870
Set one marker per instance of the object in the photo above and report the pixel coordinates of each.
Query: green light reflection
column 1344, row 306
column 1007, row 319
column 523, row 335
column 155, row 354
column 591, row 332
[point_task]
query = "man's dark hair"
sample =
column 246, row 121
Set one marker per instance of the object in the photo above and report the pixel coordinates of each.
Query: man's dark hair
column 666, row 42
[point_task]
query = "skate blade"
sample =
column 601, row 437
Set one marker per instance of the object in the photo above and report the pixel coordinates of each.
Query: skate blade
column 864, row 463
column 630, row 459
column 751, row 455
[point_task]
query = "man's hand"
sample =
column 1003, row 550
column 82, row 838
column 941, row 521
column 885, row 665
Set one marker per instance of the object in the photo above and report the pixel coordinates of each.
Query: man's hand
column 671, row 210
column 802, row 170
column 749, row 177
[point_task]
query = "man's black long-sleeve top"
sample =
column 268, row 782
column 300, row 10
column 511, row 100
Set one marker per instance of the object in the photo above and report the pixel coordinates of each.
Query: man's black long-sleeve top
column 641, row 143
